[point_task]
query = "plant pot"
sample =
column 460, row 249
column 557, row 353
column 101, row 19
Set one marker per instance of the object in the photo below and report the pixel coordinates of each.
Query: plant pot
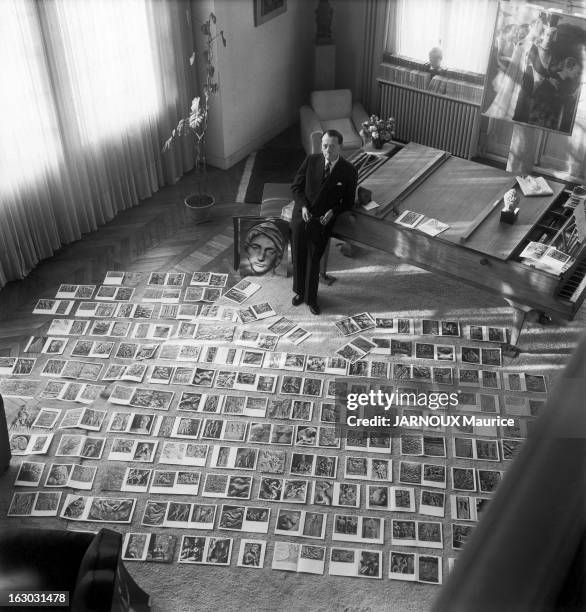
column 377, row 143
column 199, row 206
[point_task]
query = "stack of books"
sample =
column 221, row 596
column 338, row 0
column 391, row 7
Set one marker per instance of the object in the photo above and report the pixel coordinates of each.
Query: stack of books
column 545, row 257
column 427, row 225
column 534, row 186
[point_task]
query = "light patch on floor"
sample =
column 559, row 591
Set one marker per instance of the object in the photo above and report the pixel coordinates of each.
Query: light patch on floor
column 246, row 176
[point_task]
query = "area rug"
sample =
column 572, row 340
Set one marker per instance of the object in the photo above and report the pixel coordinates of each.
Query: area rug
column 368, row 282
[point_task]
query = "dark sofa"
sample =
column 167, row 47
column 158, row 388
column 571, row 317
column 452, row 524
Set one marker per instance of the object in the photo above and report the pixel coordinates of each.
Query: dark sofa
column 85, row 564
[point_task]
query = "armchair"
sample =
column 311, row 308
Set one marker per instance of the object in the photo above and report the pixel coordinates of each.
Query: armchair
column 335, row 110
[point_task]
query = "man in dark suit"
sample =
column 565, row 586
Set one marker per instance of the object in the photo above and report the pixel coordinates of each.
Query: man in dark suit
column 324, row 187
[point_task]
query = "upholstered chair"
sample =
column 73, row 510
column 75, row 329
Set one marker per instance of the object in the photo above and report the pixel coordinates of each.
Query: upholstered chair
column 335, row 110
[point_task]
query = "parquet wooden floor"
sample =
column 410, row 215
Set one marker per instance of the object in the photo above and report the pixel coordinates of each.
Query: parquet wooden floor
column 160, row 225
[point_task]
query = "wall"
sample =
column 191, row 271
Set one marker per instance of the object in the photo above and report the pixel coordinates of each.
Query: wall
column 348, row 32
column 264, row 75
column 359, row 31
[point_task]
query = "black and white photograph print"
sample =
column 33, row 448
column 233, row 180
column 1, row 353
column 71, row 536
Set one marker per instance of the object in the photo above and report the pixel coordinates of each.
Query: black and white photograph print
column 429, row 569
column 192, row 549
column 134, row 547
column 370, row 564
column 29, row 474
column 252, row 553
column 402, row 565
column 535, row 69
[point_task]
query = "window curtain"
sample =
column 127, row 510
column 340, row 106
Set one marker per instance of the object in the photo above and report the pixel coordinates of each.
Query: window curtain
column 91, row 90
column 462, row 28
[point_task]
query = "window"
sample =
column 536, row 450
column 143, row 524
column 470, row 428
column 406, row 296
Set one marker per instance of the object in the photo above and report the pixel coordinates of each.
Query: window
column 461, row 28
column 28, row 120
column 88, row 89
column 106, row 48
column 75, row 72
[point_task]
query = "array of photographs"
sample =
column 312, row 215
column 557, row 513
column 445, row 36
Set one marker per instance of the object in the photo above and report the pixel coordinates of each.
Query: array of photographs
column 118, row 311
column 98, row 509
column 53, row 307
column 35, row 503
column 111, row 293
column 71, row 475
column 276, row 476
column 75, row 292
column 16, row 366
column 356, row 349
column 71, row 391
column 142, row 480
column 153, row 547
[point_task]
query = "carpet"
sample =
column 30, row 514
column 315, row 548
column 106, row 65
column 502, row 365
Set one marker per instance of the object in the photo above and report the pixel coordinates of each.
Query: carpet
column 367, row 282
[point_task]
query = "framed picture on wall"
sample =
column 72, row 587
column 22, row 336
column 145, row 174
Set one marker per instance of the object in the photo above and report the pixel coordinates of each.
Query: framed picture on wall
column 261, row 246
column 265, row 10
column 536, row 67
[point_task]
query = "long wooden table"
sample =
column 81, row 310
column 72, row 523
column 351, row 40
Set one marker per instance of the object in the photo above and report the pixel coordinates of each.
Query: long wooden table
column 477, row 248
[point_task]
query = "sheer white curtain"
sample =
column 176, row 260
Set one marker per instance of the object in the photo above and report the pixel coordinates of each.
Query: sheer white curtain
column 91, row 89
column 31, row 150
column 462, row 28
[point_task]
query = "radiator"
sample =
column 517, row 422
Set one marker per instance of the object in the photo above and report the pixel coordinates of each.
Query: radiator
column 431, row 119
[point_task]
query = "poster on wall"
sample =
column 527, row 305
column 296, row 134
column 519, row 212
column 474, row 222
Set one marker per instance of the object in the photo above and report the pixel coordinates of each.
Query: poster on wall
column 536, row 67
column 261, row 246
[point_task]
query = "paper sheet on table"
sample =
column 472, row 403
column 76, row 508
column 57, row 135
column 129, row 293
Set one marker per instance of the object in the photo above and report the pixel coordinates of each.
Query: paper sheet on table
column 372, row 204
column 580, row 219
column 534, row 186
column 432, row 227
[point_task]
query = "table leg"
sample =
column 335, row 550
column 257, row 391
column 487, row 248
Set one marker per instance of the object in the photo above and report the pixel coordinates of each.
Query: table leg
column 521, row 315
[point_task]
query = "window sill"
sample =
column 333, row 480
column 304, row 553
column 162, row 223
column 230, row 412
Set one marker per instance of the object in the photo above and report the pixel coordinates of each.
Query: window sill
column 474, row 78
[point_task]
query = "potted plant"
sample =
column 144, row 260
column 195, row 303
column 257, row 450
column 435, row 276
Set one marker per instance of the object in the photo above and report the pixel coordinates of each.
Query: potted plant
column 195, row 125
column 378, row 131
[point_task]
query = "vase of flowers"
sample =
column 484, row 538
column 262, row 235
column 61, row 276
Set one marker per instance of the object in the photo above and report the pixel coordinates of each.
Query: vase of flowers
column 195, row 125
column 378, row 131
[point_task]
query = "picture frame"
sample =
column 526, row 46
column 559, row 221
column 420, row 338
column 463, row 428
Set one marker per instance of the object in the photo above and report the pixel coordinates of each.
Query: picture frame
column 265, row 10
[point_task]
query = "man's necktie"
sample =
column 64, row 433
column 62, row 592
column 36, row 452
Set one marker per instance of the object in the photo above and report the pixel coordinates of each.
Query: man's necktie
column 327, row 171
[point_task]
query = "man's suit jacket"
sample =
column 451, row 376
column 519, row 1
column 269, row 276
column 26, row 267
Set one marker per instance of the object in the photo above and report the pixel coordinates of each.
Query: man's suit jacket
column 336, row 193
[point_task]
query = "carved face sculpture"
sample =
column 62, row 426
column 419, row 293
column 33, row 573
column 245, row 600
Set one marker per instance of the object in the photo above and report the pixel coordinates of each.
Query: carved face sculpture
column 264, row 248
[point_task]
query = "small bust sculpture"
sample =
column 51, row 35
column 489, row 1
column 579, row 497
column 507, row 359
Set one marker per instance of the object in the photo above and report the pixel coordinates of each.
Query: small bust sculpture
column 510, row 210
column 435, row 60
column 510, row 200
column 323, row 20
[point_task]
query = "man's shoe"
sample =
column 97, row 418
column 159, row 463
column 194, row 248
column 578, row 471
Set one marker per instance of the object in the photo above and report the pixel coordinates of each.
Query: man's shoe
column 314, row 309
column 297, row 299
